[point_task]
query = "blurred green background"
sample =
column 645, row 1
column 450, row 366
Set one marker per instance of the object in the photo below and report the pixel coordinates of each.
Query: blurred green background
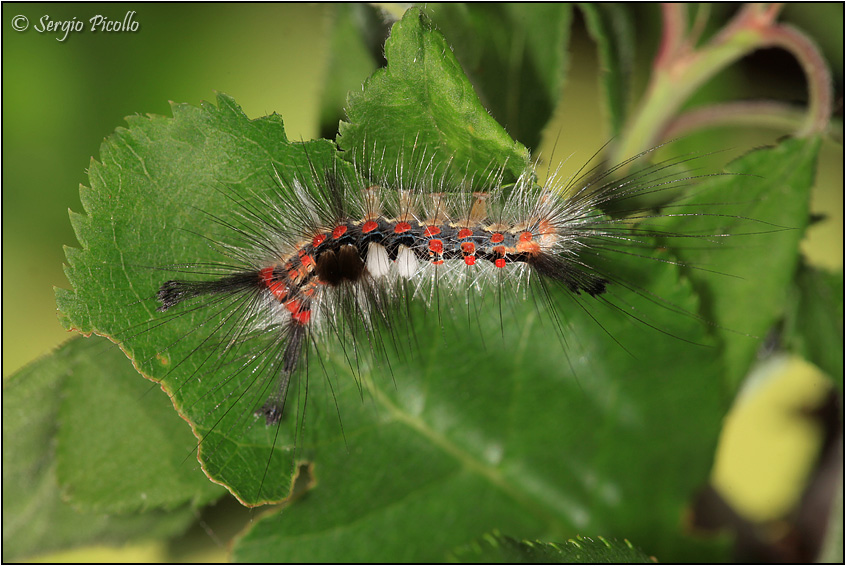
column 62, row 98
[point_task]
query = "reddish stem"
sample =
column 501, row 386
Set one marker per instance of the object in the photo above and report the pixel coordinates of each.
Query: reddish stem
column 816, row 73
column 674, row 17
column 679, row 69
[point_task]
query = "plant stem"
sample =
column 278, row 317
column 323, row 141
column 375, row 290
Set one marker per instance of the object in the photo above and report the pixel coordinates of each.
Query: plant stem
column 745, row 112
column 680, row 69
column 816, row 73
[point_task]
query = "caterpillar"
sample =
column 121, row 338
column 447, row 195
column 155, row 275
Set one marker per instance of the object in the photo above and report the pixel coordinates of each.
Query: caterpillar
column 355, row 248
column 320, row 269
column 336, row 257
column 311, row 269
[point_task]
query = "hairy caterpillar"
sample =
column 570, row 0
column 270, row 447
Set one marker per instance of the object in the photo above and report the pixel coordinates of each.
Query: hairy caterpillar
column 342, row 255
column 585, row 256
column 350, row 249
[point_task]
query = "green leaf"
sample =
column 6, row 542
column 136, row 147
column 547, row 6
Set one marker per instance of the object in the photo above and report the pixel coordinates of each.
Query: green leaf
column 36, row 400
column 815, row 320
column 515, row 54
column 422, row 109
column 611, row 27
column 744, row 280
column 500, row 549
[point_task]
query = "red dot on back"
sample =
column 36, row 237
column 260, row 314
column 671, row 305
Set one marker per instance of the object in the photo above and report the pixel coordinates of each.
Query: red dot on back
column 266, row 275
column 302, row 316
